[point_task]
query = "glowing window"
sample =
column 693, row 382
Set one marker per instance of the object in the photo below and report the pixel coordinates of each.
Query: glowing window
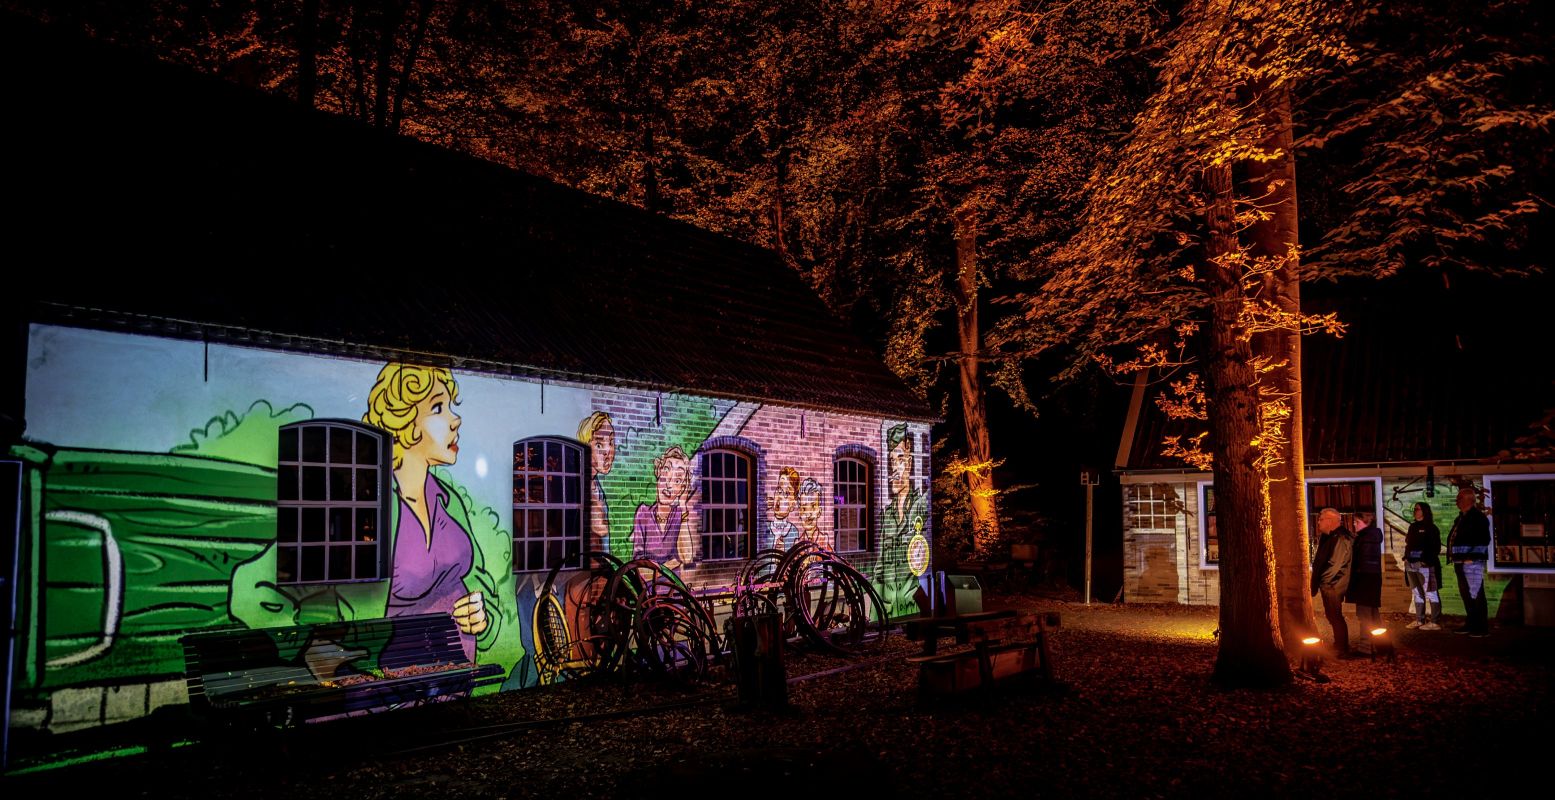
column 332, row 489
column 1522, row 522
column 547, row 503
column 725, row 508
column 1209, row 537
column 1347, row 497
column 853, row 484
column 1153, row 507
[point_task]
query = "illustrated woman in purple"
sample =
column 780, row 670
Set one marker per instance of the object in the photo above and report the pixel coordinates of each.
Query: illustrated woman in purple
column 434, row 556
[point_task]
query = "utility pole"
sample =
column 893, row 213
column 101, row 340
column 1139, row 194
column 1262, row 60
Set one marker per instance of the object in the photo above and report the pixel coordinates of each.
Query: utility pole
column 1089, row 478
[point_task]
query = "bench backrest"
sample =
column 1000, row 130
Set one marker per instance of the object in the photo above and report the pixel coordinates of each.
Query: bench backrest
column 233, row 662
column 1021, row 627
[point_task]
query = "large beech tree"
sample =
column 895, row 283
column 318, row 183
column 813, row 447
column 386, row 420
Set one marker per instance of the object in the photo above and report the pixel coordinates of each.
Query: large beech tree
column 1167, row 243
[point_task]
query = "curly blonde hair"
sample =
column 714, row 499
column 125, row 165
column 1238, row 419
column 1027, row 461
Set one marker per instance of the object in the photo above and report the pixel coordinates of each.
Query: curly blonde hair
column 391, row 405
column 591, row 425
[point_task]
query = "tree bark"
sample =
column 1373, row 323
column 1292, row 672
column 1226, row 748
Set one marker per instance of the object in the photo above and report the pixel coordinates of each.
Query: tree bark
column 389, row 22
column 307, row 53
column 408, row 64
column 1276, row 237
column 974, row 412
column 1250, row 652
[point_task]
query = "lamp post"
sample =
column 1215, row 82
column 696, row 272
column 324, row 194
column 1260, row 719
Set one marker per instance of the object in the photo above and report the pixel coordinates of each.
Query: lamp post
column 1088, row 478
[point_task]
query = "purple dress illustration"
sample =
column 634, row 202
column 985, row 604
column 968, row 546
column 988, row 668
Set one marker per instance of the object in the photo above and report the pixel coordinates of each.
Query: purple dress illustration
column 427, row 579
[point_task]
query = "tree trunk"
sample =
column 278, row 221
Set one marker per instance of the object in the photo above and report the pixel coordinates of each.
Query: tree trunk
column 651, row 199
column 408, row 64
column 979, row 479
column 1276, row 238
column 307, row 53
column 389, row 20
column 1250, row 651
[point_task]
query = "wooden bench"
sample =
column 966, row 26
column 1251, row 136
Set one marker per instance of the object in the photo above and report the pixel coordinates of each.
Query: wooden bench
column 282, row 676
column 1002, row 649
column 930, row 628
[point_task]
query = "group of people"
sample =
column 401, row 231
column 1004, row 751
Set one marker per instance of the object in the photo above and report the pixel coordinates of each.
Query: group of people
column 1347, row 567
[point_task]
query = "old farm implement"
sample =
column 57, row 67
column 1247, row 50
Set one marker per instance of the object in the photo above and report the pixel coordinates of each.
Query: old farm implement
column 635, row 617
column 639, row 618
column 822, row 600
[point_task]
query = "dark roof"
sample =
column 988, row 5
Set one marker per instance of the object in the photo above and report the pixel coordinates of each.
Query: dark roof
column 1425, row 373
column 222, row 213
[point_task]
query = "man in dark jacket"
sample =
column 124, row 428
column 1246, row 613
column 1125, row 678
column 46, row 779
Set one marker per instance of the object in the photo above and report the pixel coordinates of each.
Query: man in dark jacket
column 1468, row 545
column 1331, row 574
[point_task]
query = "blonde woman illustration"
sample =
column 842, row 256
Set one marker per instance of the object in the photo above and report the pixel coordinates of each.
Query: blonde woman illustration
column 435, row 558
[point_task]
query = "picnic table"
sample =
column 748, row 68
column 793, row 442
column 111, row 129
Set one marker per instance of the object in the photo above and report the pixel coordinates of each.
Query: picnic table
column 930, row 627
column 1006, row 644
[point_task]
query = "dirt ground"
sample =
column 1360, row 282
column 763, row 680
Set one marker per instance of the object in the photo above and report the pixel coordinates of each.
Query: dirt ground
column 1133, row 714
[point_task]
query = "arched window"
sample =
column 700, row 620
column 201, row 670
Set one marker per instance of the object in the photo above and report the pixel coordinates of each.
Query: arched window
column 728, row 519
column 332, row 490
column 852, row 517
column 548, row 481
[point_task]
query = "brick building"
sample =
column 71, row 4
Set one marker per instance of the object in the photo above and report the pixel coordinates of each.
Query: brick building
column 1424, row 395
column 340, row 375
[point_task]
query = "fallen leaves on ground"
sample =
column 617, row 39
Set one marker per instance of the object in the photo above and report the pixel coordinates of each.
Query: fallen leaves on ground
column 1134, row 714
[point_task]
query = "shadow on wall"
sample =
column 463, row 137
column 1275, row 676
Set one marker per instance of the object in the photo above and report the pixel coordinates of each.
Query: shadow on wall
column 1157, row 576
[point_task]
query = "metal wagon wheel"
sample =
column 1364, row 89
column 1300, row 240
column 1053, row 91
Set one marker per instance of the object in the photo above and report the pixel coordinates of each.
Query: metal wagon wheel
column 761, row 570
column 758, row 591
column 560, row 651
column 671, row 640
column 834, row 605
column 629, row 608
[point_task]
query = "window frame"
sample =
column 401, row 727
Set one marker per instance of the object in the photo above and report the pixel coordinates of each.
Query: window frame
column 380, row 505
column 868, row 537
column 1203, row 490
column 1312, row 512
column 1377, row 510
column 570, row 557
column 705, row 505
column 1165, row 503
column 1520, row 568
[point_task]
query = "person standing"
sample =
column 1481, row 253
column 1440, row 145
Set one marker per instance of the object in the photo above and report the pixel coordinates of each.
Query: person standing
column 1365, row 589
column 1468, row 545
column 1423, row 569
column 1331, row 574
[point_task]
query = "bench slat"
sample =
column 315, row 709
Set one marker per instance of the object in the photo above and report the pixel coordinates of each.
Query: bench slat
column 241, row 670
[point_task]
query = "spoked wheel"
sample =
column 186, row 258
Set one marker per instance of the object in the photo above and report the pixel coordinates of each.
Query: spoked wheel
column 671, row 641
column 653, row 621
column 833, row 604
column 761, row 570
column 836, row 607
column 566, row 642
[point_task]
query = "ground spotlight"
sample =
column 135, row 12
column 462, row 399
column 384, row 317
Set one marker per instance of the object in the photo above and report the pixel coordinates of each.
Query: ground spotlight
column 1312, row 659
column 1382, row 645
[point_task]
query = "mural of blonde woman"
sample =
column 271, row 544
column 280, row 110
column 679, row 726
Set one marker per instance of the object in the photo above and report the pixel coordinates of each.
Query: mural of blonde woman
column 435, row 557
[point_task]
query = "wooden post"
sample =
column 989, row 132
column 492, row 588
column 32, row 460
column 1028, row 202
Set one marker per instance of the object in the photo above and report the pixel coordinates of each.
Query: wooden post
column 1090, row 478
column 758, row 642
